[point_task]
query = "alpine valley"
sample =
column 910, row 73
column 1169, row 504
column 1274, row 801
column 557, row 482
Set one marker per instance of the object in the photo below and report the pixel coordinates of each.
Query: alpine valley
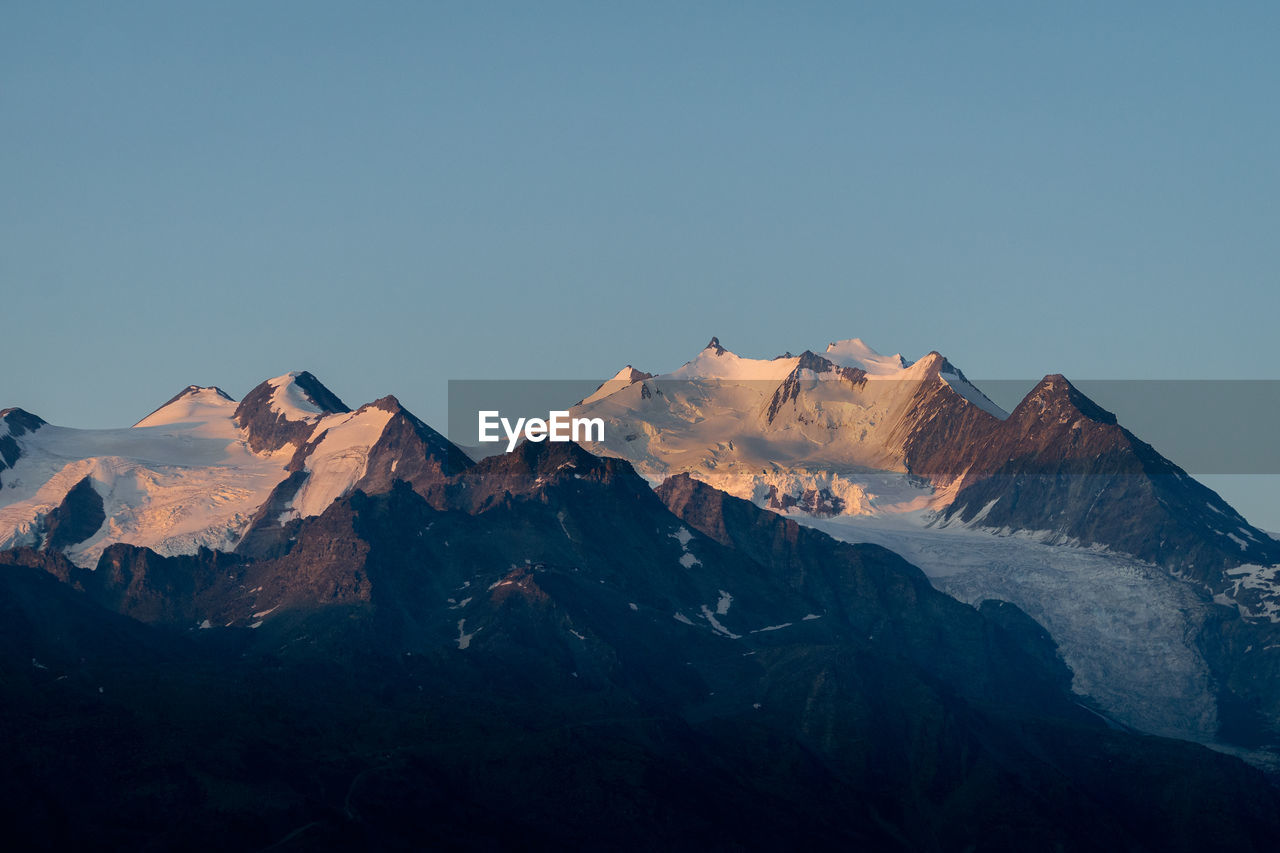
column 826, row 600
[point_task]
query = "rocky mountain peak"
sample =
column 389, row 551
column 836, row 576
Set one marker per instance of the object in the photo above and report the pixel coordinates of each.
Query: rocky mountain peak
column 283, row 410
column 15, row 421
column 1055, row 397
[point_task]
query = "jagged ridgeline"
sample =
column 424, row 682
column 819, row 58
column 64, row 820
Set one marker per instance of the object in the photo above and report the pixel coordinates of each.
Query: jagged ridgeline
column 286, row 621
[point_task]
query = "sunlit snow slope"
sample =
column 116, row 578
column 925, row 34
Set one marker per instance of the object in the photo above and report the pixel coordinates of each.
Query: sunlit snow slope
column 188, row 475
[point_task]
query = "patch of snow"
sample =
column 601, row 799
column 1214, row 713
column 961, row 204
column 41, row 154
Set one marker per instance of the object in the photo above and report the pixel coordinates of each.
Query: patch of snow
column 288, row 398
column 464, row 639
column 716, row 626
column 680, row 617
column 722, row 606
column 340, row 459
column 683, row 536
column 970, row 393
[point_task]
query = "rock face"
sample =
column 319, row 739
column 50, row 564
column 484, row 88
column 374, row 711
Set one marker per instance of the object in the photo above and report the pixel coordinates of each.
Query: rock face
column 807, row 365
column 403, row 448
column 284, row 410
column 1061, row 463
column 14, row 423
column 541, row 649
column 76, row 519
column 411, row 451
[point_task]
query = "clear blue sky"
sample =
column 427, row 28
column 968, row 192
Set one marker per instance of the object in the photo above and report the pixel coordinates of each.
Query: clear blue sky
column 395, row 194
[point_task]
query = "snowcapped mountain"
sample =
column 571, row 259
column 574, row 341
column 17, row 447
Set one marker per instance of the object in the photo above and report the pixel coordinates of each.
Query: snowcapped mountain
column 829, row 434
column 14, row 423
column 852, row 432
column 1153, row 585
column 203, row 471
column 296, row 559
column 1164, row 601
column 727, row 678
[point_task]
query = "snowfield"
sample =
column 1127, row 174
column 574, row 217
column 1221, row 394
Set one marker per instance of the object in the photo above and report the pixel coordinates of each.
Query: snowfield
column 184, row 477
column 1124, row 627
column 181, row 479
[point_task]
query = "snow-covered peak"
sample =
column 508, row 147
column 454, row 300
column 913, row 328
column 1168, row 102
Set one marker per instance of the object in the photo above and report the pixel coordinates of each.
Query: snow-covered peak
column 15, row 421
column 285, row 409
column 629, row 374
column 291, row 400
column 854, row 353
column 623, row 378
column 193, row 404
column 716, row 362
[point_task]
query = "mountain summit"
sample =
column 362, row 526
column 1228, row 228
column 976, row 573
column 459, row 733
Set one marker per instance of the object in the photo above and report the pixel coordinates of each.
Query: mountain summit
column 204, row 471
column 282, row 410
column 1054, row 506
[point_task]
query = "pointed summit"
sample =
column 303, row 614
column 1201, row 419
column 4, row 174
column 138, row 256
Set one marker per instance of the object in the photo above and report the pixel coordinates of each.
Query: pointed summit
column 17, row 422
column 193, row 403
column 714, row 344
column 369, row 450
column 13, row 423
column 624, row 378
column 1055, row 397
column 285, row 409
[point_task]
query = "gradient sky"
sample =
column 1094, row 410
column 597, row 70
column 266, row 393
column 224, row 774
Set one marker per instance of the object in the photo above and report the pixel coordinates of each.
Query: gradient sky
column 395, row 194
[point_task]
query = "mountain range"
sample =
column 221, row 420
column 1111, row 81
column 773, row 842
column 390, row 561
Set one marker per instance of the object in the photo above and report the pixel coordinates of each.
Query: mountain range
column 281, row 621
column 1161, row 595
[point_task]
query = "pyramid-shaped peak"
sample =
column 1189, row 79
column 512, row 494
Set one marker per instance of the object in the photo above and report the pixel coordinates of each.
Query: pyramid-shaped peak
column 1055, row 395
column 624, row 378
column 193, row 403
column 284, row 409
column 300, row 396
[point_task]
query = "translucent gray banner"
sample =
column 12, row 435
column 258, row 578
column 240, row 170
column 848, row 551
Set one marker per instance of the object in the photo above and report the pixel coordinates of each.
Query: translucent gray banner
column 1207, row 427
